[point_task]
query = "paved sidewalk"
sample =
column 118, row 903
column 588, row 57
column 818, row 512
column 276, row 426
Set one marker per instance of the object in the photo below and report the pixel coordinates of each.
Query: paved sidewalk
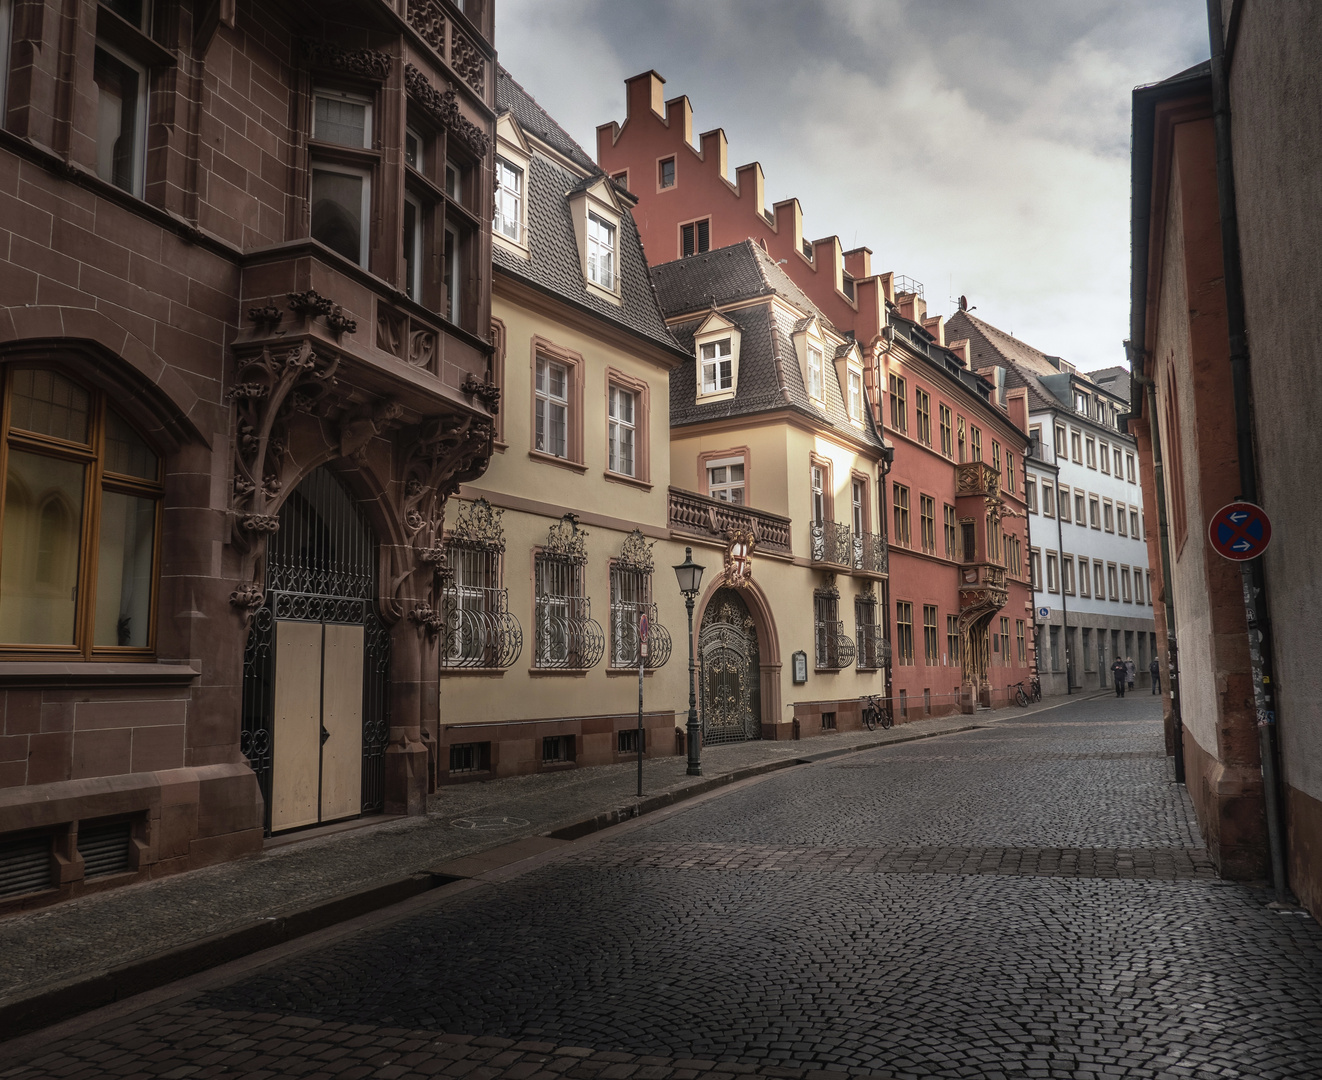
column 60, row 956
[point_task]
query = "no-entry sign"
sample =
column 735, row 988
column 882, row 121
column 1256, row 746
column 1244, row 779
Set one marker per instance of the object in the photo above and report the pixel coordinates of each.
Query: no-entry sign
column 1239, row 531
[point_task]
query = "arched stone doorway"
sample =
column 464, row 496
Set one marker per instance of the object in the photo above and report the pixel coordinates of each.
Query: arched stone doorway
column 730, row 670
column 316, row 669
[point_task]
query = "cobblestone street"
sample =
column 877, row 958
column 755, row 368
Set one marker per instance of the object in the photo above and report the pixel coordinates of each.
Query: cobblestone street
column 1030, row 899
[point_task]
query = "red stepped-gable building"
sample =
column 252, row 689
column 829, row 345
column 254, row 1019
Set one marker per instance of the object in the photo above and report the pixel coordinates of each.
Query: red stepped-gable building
column 955, row 490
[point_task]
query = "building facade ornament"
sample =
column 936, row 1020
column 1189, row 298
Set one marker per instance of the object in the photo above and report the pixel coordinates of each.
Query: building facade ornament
column 478, row 525
column 443, row 107
column 484, row 390
column 311, row 303
column 366, row 63
column 428, row 19
column 468, row 62
column 740, row 543
column 565, row 540
column 636, row 553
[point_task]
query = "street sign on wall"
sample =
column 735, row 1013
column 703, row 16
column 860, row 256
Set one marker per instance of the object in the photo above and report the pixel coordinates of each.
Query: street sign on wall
column 1239, row 531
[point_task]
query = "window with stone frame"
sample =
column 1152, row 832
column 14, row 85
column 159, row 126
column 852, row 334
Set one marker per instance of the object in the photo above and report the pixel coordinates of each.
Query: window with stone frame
column 1030, row 494
column 1005, row 640
column 1022, row 650
column 931, row 645
column 947, row 434
column 480, row 631
column 952, row 640
column 1010, row 481
column 1048, row 500
column 343, row 164
column 855, row 395
column 726, row 479
column 927, row 523
column 695, row 237
column 1035, row 570
column 1098, row 585
column 900, row 511
column 1125, row 594
column 949, row 525
column 1053, row 572
column 82, row 498
column 1085, row 577
column 621, row 430
column 551, row 407
column 903, row 633
column 922, row 410
column 816, row 380
column 121, row 103
column 602, row 254
column 899, row 413
column 717, row 366
column 996, row 455
column 1104, row 457
column 975, row 441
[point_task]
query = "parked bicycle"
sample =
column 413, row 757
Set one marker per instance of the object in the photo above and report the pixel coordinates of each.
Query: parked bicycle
column 1022, row 697
column 874, row 713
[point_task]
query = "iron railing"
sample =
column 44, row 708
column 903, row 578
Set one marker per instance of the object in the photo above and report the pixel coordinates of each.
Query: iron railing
column 872, row 648
column 480, row 631
column 624, row 637
column 690, row 512
column 835, row 649
column 831, row 543
column 871, row 554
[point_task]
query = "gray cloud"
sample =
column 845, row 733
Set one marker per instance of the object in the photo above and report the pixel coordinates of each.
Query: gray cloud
column 979, row 145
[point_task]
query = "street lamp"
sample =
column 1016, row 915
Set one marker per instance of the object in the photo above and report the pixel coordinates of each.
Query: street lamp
column 689, row 574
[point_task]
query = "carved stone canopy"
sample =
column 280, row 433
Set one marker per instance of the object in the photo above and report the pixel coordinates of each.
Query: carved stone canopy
column 565, row 540
column 477, row 525
column 443, row 107
column 829, row 589
column 367, row 63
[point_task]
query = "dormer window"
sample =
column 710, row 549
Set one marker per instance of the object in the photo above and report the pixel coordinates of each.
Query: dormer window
column 816, row 385
column 855, row 396
column 717, row 366
column 509, row 200
column 601, row 251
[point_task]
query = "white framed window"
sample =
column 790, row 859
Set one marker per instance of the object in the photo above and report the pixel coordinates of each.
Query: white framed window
column 1048, row 500
column 1138, row 585
column 1030, row 494
column 855, row 396
column 121, row 114
column 451, row 278
column 509, row 200
column 1063, row 500
column 622, row 429
column 551, row 408
column 1121, row 524
column 454, row 180
column 1078, row 509
column 342, row 118
column 1133, row 525
column 1129, row 469
column 815, row 382
column 1124, row 585
column 341, row 209
column 1053, row 573
column 717, row 366
column 414, row 144
column 1108, row 516
column 1090, row 451
column 1098, row 584
column 818, row 494
column 1035, row 569
column 412, row 247
column 1067, row 573
column 725, row 479
column 1085, row 578
column 858, row 501
column 1104, row 455
column 601, row 251
column 1094, row 512
column 1062, row 448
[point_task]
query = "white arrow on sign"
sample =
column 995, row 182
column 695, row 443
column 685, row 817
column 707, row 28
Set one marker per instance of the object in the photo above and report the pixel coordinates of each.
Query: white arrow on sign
column 1238, row 516
column 1241, row 545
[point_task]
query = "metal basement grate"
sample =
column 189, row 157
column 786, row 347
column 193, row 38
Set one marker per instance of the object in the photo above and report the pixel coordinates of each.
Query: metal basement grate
column 104, row 848
column 24, row 865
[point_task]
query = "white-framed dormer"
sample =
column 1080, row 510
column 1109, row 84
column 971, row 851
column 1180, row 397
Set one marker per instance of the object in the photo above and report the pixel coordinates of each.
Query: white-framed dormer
column 509, row 228
column 716, row 353
column 849, row 370
column 811, row 346
column 597, row 214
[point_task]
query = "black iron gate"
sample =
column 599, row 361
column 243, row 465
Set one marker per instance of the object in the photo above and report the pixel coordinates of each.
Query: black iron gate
column 731, row 672
column 321, row 566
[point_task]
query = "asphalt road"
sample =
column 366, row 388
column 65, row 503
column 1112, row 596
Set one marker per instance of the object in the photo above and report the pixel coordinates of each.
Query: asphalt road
column 1025, row 900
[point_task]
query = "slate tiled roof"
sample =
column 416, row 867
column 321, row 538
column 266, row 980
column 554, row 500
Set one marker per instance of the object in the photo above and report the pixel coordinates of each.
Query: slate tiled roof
column 513, row 98
column 770, row 377
column 725, row 276
column 554, row 264
column 990, row 347
column 1115, row 380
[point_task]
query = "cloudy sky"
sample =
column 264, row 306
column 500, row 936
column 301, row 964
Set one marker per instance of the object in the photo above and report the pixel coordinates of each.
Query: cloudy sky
column 980, row 146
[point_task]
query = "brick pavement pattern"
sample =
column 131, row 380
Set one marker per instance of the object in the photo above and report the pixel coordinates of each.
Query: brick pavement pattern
column 987, row 905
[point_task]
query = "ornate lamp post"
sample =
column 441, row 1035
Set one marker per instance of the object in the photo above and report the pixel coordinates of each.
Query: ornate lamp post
column 689, row 574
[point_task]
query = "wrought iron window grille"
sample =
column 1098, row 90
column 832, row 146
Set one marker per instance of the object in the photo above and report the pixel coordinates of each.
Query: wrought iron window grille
column 566, row 636
column 631, row 597
column 479, row 629
column 873, row 650
column 834, row 650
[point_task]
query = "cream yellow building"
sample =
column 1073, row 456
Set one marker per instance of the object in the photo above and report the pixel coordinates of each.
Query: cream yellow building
column 563, row 543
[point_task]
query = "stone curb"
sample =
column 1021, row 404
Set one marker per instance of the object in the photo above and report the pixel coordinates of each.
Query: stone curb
column 20, row 1016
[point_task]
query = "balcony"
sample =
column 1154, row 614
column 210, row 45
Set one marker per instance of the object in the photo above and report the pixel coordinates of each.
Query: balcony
column 832, row 544
column 982, row 586
column 835, row 649
column 978, row 478
column 624, row 638
column 567, row 637
column 711, row 519
column 871, row 555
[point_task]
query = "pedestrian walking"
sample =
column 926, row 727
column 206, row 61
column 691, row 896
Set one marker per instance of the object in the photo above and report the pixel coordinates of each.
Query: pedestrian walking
column 1155, row 669
column 1119, row 675
column 1131, row 672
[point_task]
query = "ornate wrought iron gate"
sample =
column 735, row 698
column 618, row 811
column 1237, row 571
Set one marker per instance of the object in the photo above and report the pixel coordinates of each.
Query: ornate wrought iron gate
column 730, row 671
column 321, row 568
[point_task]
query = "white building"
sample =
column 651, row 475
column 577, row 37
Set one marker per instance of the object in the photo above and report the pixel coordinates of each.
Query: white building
column 1086, row 527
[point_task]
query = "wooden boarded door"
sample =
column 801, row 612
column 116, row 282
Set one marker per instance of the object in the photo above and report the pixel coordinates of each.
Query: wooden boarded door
column 318, row 713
